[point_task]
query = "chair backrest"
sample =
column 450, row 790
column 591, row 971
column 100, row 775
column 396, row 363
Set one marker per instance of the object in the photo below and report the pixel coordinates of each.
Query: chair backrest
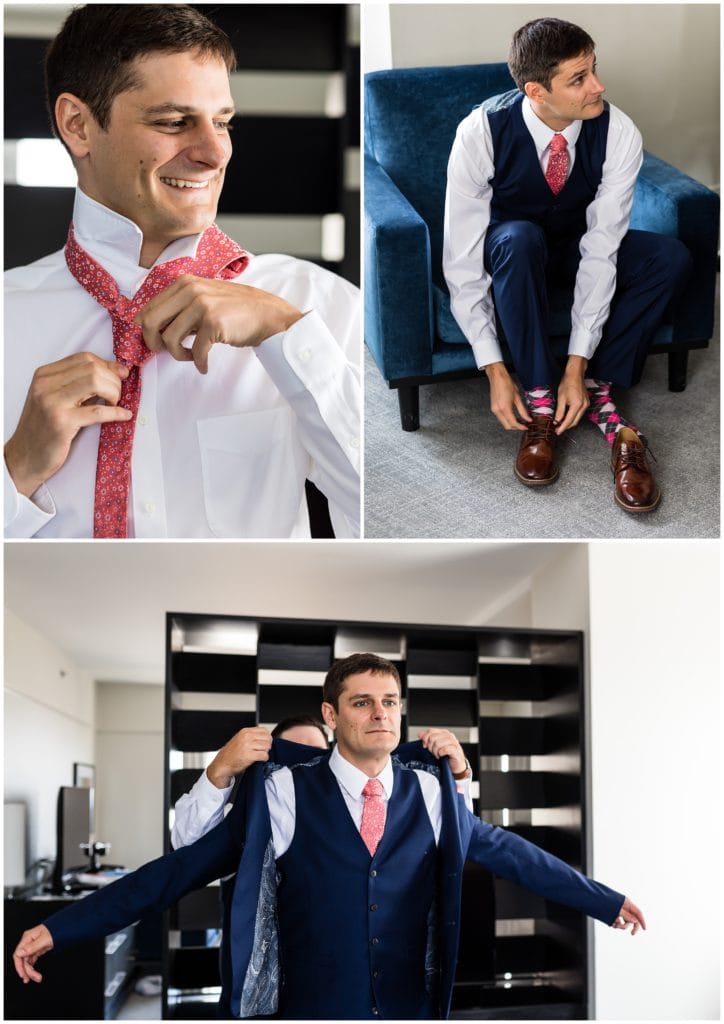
column 411, row 115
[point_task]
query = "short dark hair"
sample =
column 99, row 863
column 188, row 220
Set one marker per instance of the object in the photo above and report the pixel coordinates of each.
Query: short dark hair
column 539, row 47
column 351, row 666
column 295, row 720
column 92, row 54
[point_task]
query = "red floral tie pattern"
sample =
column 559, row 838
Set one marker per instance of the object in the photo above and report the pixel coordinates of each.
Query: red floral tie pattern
column 373, row 815
column 217, row 256
column 557, row 168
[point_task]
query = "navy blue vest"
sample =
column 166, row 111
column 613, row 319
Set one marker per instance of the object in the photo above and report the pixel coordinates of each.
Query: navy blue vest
column 346, row 950
column 520, row 191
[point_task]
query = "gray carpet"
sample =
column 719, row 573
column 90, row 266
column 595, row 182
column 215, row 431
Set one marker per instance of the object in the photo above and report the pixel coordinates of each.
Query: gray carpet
column 454, row 476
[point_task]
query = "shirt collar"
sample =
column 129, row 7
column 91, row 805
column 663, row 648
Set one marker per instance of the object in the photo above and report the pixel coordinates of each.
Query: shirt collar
column 542, row 134
column 354, row 780
column 115, row 242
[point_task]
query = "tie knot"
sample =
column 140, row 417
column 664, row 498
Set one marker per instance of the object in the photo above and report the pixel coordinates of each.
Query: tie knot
column 373, row 788
column 558, row 143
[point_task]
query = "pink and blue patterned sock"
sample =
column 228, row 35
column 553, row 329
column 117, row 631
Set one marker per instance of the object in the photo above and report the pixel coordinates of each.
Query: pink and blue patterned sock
column 541, row 401
column 602, row 410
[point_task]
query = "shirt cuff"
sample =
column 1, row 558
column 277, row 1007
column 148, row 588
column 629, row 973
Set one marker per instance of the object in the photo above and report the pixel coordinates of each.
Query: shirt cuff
column 582, row 343
column 486, row 351
column 303, row 358
column 25, row 516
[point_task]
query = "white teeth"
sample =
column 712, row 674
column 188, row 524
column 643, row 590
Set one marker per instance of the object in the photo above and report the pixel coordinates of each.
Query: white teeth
column 180, row 183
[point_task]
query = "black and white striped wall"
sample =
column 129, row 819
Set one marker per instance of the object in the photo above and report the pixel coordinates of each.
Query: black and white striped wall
column 292, row 185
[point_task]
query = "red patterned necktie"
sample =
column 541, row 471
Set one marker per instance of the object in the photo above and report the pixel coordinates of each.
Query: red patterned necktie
column 373, row 815
column 217, row 256
column 557, row 164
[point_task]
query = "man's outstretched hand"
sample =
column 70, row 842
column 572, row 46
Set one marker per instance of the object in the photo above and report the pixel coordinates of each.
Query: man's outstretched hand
column 33, row 944
column 629, row 916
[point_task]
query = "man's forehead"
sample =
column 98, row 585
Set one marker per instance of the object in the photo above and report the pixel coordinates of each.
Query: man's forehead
column 160, row 77
column 364, row 684
column 575, row 65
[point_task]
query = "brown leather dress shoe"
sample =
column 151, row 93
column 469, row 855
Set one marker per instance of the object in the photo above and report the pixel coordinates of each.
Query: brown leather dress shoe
column 536, row 464
column 635, row 487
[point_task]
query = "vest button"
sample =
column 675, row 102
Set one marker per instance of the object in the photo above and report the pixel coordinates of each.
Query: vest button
column 375, row 1010
column 375, row 974
column 373, row 873
column 375, row 942
column 373, row 906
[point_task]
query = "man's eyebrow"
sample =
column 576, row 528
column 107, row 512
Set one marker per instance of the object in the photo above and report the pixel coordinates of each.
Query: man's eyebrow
column 180, row 108
column 357, row 696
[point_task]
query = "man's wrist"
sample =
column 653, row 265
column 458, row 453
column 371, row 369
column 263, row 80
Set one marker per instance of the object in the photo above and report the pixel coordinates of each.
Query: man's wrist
column 576, row 367
column 218, row 776
column 466, row 773
column 495, row 370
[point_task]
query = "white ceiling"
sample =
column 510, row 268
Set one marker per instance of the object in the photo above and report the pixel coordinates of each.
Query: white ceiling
column 104, row 604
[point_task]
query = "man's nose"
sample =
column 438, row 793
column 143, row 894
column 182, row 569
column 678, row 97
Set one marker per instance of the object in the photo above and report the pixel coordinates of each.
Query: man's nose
column 379, row 710
column 598, row 86
column 209, row 147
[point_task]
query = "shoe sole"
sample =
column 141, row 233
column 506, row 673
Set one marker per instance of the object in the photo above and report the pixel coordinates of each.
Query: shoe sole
column 536, row 483
column 637, row 508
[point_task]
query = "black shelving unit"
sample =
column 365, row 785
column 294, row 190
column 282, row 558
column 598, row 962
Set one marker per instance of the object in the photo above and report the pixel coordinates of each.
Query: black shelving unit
column 516, row 701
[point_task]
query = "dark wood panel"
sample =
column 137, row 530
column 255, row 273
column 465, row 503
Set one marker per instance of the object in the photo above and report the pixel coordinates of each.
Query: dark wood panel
column 214, row 673
column 206, row 730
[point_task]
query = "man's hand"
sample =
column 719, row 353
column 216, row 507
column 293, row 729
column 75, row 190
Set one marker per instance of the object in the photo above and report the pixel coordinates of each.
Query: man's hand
column 63, row 398
column 221, row 312
column 505, row 399
column 33, row 944
column 442, row 743
column 243, row 749
column 572, row 395
column 630, row 916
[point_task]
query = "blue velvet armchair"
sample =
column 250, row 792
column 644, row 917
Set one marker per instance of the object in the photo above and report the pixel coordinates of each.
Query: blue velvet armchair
column 410, row 120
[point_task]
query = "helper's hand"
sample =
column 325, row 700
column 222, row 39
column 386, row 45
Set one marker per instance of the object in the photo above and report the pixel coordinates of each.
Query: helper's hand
column 33, row 944
column 63, row 398
column 505, row 399
column 442, row 743
column 243, row 749
column 217, row 312
column 572, row 395
column 629, row 916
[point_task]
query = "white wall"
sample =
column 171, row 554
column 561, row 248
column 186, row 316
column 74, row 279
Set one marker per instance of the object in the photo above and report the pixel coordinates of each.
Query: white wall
column 660, row 62
column 129, row 771
column 49, row 710
column 655, row 625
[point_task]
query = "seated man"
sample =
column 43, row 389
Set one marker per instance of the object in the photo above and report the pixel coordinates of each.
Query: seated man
column 347, row 896
column 540, row 187
column 115, row 427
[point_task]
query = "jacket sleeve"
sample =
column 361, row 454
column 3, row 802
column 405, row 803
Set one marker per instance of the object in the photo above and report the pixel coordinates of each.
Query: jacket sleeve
column 155, row 886
column 517, row 860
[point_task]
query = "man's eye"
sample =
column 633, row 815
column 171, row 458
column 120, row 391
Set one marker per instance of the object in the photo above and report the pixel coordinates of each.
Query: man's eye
column 225, row 126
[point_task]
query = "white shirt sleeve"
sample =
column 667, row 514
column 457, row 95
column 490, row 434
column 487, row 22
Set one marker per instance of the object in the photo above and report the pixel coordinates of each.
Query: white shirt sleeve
column 607, row 221
column 309, row 368
column 467, row 215
column 25, row 516
column 198, row 811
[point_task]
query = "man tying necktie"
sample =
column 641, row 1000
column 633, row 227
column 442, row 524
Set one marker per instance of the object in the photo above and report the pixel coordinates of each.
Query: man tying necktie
column 540, row 187
column 121, row 420
column 346, row 902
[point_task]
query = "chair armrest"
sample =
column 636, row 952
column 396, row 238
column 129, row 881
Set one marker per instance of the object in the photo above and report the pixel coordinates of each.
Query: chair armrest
column 398, row 292
column 669, row 202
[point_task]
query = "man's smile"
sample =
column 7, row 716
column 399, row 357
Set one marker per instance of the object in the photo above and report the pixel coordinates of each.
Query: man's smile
column 184, row 183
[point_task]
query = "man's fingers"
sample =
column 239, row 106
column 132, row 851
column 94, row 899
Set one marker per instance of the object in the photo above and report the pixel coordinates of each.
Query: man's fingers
column 90, row 414
column 522, row 408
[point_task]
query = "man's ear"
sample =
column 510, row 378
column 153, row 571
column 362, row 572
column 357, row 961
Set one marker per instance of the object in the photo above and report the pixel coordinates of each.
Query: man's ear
column 329, row 715
column 75, row 123
column 535, row 92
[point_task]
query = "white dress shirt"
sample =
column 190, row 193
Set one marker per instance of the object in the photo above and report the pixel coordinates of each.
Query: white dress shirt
column 204, row 806
column 221, row 455
column 467, row 215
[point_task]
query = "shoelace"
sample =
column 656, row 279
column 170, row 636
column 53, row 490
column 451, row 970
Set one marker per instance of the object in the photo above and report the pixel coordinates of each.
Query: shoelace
column 634, row 455
column 538, row 431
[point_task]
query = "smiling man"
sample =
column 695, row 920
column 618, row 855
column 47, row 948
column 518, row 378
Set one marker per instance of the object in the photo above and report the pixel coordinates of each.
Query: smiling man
column 121, row 420
column 540, row 187
column 347, row 895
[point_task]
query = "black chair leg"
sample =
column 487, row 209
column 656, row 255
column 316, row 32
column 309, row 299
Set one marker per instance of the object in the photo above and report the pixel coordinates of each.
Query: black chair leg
column 409, row 398
column 677, row 370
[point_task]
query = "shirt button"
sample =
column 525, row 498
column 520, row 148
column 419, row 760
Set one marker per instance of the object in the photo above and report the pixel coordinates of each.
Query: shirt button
column 142, row 421
column 373, row 873
column 373, row 906
column 305, row 355
column 354, row 442
column 149, row 507
column 375, row 942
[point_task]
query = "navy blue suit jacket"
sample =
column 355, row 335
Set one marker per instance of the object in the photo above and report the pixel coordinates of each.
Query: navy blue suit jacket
column 242, row 843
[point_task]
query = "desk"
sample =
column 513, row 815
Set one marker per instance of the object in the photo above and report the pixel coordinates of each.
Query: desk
column 85, row 982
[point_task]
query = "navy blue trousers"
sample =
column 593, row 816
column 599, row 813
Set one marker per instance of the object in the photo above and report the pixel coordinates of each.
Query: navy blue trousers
column 524, row 262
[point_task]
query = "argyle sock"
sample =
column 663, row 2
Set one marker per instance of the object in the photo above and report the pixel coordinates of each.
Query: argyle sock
column 602, row 410
column 541, row 401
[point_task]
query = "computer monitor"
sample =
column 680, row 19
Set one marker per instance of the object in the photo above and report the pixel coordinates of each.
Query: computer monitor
column 73, row 827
